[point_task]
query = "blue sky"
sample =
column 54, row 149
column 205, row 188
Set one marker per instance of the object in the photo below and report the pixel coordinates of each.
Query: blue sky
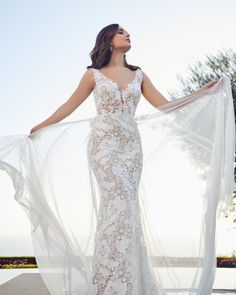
column 45, row 49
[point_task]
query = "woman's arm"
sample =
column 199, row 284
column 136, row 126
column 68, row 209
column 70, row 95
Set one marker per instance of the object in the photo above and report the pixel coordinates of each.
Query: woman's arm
column 150, row 92
column 153, row 96
column 83, row 90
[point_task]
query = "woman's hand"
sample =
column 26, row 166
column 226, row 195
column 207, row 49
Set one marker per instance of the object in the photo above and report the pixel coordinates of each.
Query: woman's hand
column 209, row 85
column 205, row 87
column 33, row 130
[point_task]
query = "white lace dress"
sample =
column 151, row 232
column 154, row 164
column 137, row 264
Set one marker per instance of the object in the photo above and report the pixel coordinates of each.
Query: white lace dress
column 126, row 205
column 115, row 153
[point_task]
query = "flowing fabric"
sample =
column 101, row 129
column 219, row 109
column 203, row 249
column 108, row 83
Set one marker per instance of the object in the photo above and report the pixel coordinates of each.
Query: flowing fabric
column 184, row 183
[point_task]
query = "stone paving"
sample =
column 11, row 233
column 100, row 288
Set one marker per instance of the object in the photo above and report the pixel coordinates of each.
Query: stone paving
column 24, row 284
column 32, row 284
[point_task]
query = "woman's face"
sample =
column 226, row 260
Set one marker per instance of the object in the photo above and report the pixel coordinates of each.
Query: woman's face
column 121, row 40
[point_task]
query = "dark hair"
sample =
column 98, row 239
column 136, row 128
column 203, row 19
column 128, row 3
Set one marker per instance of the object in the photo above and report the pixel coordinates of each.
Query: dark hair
column 101, row 53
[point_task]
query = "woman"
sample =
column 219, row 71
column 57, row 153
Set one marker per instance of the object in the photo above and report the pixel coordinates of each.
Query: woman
column 120, row 234
column 108, row 54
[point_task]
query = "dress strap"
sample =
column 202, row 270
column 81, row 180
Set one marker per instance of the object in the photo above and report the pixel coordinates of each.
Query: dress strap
column 96, row 73
column 140, row 75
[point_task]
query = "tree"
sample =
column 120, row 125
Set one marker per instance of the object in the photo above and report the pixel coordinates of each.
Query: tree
column 203, row 72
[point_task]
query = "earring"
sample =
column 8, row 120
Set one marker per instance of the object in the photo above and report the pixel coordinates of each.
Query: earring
column 111, row 47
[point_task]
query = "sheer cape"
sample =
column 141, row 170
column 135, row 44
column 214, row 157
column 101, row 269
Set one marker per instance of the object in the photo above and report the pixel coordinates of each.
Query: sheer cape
column 186, row 184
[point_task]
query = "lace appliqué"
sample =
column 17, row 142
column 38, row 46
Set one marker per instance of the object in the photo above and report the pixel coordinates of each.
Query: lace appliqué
column 115, row 153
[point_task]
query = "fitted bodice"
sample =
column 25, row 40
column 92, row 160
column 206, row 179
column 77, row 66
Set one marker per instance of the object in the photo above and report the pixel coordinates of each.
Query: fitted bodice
column 110, row 100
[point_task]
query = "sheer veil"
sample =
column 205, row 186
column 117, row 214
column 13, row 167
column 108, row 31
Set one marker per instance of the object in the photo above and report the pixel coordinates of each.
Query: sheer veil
column 186, row 185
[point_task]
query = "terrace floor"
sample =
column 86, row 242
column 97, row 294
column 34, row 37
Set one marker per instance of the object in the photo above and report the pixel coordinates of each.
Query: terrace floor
column 32, row 284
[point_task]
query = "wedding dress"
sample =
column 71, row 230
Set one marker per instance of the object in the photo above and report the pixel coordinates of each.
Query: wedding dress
column 123, row 204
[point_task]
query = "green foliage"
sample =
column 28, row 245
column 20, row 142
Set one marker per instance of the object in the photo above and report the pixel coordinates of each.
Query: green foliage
column 212, row 68
column 10, row 266
column 203, row 72
column 17, row 262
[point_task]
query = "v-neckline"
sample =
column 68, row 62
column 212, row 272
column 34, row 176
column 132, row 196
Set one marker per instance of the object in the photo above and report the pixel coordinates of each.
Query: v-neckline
column 117, row 86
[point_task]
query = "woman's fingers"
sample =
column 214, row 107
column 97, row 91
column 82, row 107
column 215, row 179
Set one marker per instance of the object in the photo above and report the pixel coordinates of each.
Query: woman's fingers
column 212, row 83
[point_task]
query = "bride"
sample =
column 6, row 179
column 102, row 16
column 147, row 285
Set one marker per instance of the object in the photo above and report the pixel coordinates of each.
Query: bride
column 119, row 203
column 108, row 54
